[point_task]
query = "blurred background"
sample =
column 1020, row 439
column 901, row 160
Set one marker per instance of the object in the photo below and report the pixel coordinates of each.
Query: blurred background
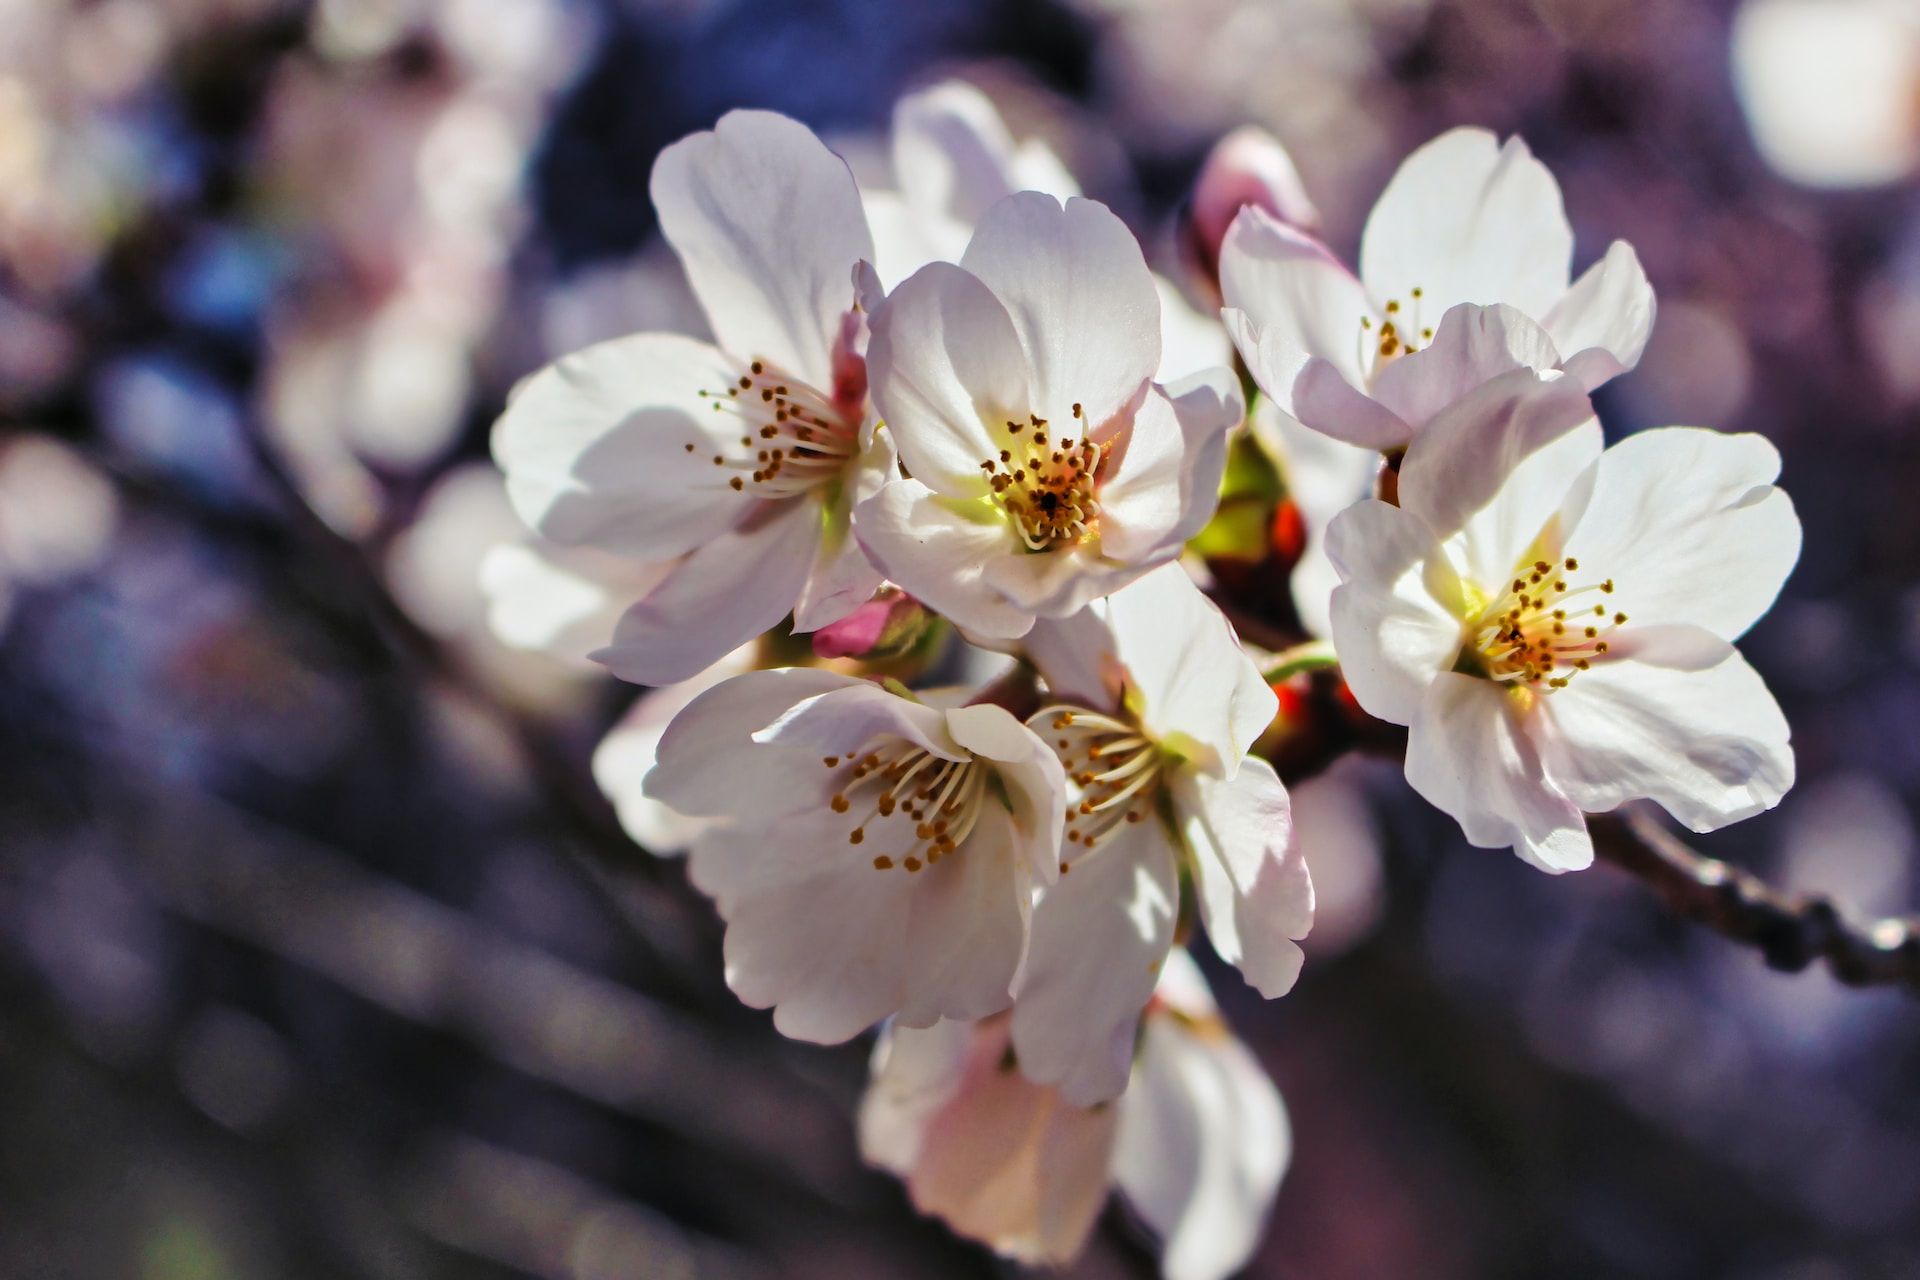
column 319, row 954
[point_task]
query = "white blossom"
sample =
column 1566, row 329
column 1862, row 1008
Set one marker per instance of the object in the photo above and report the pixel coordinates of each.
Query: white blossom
column 737, row 462
column 1047, row 467
column 872, row 855
column 1554, row 623
column 953, row 159
column 1464, row 222
column 1155, row 707
column 1197, row 1145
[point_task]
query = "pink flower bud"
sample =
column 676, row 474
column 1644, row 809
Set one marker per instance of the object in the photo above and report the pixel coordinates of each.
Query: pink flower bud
column 885, row 624
column 1247, row 167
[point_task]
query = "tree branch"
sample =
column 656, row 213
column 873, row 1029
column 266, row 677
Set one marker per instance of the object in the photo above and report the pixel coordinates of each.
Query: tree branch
column 1791, row 930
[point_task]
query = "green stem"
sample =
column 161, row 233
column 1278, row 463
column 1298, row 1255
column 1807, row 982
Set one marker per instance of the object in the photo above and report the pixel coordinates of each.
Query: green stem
column 1314, row 655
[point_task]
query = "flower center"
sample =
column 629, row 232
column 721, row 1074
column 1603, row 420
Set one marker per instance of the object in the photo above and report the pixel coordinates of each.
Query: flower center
column 792, row 438
column 1116, row 768
column 1534, row 635
column 1046, row 489
column 911, row 796
column 1396, row 335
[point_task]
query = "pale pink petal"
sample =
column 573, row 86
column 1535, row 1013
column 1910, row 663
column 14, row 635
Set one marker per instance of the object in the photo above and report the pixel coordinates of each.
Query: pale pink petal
column 718, row 598
column 768, row 224
column 1474, row 345
column 1689, row 526
column 1299, row 303
column 947, row 372
column 613, row 447
column 1684, row 721
column 1469, row 757
column 915, row 1073
column 1081, row 298
column 1256, row 896
column 1010, row 1163
column 937, row 552
column 1466, row 219
column 1099, row 937
column 1603, row 323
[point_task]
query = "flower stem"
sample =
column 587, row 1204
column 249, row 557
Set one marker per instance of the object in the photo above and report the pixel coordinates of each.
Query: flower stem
column 1314, row 655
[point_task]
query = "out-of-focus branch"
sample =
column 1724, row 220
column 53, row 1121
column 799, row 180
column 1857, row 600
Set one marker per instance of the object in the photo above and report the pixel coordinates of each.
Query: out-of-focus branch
column 1792, row 930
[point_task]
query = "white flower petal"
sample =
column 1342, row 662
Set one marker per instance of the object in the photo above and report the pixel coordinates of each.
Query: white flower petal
column 595, row 447
column 1190, row 341
column 1099, row 937
column 1474, row 345
column 627, row 755
column 1684, row 721
column 1031, row 776
column 916, row 1071
column 906, row 239
column 1324, row 477
column 1463, row 459
column 717, row 599
column 1467, row 755
column 947, row 369
column 708, row 764
column 936, row 550
column 814, row 931
column 846, row 721
column 1204, row 1141
column 1198, row 691
column 768, row 224
column 952, row 155
column 1057, row 583
column 1603, row 323
column 1689, row 525
column 1298, row 302
column 968, row 932
column 1393, row 636
column 1081, row 298
column 1075, row 656
column 1162, row 486
column 1468, row 220
column 1255, row 894
column 561, row 600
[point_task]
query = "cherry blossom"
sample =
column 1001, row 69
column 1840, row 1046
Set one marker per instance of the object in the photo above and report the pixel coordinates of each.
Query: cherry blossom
column 739, row 462
column 1465, row 221
column 1155, row 707
column 872, row 855
column 1197, row 1145
column 1047, row 467
column 953, row 159
column 1554, row 622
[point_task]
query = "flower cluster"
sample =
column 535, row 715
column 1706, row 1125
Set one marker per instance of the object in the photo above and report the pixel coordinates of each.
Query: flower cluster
column 961, row 417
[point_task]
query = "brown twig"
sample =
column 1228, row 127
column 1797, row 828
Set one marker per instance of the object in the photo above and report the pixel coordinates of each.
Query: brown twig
column 1791, row 930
